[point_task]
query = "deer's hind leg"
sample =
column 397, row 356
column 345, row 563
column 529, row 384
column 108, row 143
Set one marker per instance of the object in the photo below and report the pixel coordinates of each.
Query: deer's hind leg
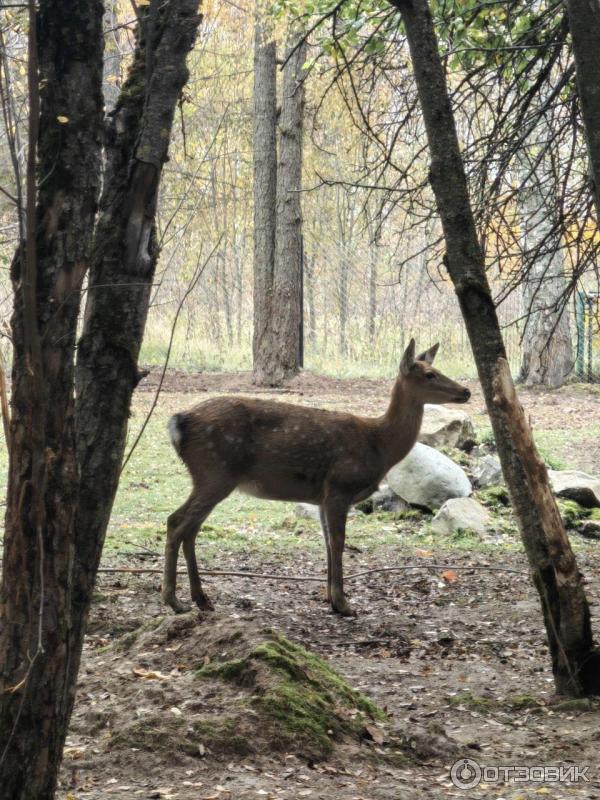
column 182, row 528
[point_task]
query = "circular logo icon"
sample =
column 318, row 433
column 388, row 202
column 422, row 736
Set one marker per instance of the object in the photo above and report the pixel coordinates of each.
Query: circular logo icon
column 465, row 773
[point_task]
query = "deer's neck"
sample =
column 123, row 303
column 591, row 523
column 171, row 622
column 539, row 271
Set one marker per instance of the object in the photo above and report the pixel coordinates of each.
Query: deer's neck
column 400, row 425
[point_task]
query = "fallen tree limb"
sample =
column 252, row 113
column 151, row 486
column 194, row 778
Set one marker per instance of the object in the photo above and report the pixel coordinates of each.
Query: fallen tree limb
column 316, row 578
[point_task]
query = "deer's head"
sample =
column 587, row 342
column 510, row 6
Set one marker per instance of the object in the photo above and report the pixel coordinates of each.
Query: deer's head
column 426, row 383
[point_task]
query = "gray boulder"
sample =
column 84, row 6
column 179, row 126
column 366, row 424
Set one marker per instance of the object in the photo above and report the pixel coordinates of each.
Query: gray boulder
column 590, row 529
column 307, row 511
column 488, row 472
column 428, row 478
column 446, row 427
column 384, row 499
column 460, row 514
column 575, row 485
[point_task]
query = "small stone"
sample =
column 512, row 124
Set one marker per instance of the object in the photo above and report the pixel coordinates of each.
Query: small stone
column 461, row 514
column 307, row 511
column 590, row 529
column 575, row 485
column 488, row 472
column 446, row 427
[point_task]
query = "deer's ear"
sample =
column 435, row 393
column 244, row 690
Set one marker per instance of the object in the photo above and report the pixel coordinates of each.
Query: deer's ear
column 429, row 355
column 408, row 359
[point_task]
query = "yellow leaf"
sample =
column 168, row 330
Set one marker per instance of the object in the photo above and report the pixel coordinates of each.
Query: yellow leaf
column 62, row 120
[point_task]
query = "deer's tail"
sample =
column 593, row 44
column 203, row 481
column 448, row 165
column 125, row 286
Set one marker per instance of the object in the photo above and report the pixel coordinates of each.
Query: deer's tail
column 176, row 428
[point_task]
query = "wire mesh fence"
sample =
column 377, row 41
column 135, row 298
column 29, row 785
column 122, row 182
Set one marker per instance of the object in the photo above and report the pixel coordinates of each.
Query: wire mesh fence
column 359, row 315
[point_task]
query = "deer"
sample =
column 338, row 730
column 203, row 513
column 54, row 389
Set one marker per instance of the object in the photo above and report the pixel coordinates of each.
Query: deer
column 281, row 451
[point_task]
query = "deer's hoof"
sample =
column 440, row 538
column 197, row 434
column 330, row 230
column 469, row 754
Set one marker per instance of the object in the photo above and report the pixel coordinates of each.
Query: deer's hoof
column 343, row 608
column 204, row 603
column 176, row 605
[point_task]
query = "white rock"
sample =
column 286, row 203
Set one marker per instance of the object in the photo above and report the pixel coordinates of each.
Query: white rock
column 446, row 427
column 578, row 486
column 488, row 472
column 460, row 514
column 307, row 511
column 428, row 478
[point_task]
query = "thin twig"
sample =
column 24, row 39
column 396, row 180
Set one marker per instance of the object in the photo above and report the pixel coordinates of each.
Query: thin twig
column 315, row 578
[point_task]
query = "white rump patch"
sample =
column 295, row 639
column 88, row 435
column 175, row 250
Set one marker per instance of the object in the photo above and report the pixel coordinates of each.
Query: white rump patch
column 174, row 431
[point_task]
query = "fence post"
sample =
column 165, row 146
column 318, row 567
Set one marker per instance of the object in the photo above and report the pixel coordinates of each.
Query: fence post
column 580, row 324
column 301, row 332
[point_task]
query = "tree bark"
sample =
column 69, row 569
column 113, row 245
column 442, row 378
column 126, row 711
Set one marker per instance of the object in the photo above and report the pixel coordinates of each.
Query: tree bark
column 121, row 275
column 284, row 333
column 36, row 594
column 584, row 23
column 566, row 614
column 265, row 196
column 50, row 562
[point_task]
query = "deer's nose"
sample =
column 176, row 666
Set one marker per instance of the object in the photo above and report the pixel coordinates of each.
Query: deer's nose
column 466, row 393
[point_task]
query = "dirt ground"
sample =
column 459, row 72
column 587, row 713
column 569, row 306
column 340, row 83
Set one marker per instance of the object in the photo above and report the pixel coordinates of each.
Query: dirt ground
column 454, row 654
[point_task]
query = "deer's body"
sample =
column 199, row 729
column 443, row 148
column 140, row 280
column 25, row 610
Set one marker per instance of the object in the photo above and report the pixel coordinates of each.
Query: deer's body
column 280, row 451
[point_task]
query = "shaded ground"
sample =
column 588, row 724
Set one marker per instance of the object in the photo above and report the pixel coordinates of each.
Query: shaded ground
column 455, row 656
column 464, row 660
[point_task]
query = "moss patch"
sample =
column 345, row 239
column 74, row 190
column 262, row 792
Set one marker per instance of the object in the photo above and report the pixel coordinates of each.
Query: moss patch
column 473, row 702
column 223, row 736
column 521, row 702
column 158, row 733
column 574, row 514
column 305, row 704
column 154, row 733
column 494, row 497
column 126, row 642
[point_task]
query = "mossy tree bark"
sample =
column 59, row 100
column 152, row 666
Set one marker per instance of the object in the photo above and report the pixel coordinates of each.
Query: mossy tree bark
column 553, row 566
column 57, row 516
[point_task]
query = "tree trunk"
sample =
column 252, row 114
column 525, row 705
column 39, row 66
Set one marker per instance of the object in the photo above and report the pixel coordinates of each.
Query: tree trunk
column 547, row 349
column 121, row 276
column 50, row 562
column 265, row 196
column 584, row 23
column 566, row 614
column 286, row 308
column 36, row 649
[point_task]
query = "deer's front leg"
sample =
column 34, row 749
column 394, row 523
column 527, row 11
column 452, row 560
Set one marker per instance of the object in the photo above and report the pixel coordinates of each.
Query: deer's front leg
column 328, row 548
column 336, row 512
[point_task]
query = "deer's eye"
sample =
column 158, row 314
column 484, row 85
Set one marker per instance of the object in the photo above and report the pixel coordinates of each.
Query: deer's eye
column 430, row 376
